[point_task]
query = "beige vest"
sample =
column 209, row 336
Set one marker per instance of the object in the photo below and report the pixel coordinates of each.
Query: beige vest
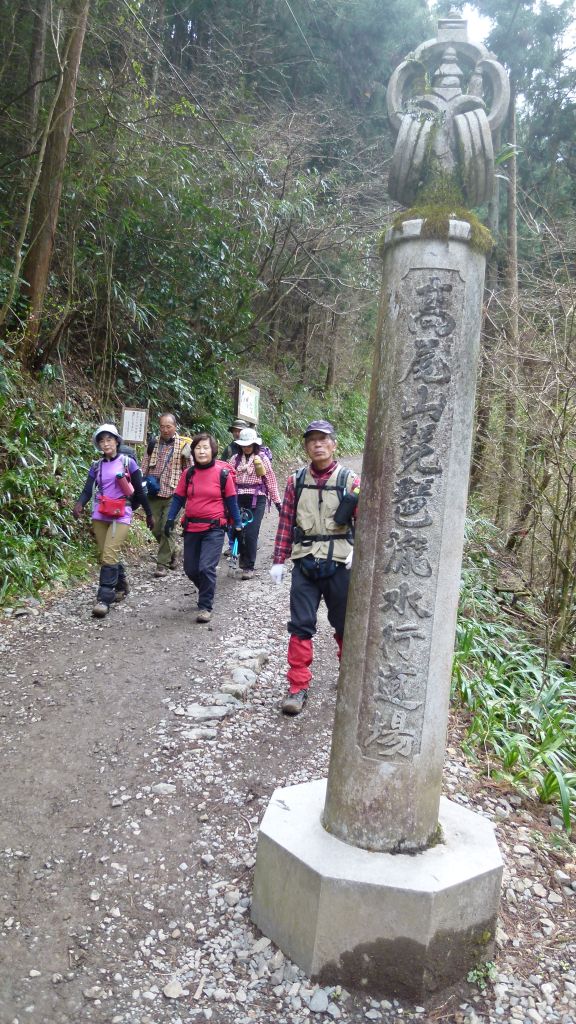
column 316, row 518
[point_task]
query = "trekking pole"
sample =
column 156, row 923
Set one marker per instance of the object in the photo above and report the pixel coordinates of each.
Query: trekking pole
column 233, row 562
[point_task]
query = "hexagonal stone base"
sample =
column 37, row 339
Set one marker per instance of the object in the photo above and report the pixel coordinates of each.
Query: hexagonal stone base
column 388, row 924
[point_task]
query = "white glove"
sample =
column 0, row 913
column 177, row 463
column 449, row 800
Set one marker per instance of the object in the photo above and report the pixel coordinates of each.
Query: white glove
column 277, row 572
column 348, row 562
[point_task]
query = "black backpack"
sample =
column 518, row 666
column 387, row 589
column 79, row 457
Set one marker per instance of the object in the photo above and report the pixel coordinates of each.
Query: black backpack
column 342, row 479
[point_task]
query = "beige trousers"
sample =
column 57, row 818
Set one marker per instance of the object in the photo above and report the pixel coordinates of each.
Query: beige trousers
column 110, row 537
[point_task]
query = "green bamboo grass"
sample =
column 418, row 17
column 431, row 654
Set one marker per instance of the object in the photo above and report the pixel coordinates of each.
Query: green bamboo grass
column 521, row 703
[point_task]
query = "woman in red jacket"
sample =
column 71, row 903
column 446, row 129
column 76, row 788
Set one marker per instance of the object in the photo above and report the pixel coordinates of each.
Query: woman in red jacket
column 207, row 492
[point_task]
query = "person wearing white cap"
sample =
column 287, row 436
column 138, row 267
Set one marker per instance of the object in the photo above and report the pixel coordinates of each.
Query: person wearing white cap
column 257, row 490
column 316, row 530
column 114, row 478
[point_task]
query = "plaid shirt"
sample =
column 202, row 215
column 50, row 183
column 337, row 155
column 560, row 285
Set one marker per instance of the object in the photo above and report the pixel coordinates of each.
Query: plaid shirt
column 166, row 466
column 248, row 481
column 287, row 519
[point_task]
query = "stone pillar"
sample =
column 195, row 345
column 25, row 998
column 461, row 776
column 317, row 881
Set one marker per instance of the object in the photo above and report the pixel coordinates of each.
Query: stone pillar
column 391, row 716
column 373, row 882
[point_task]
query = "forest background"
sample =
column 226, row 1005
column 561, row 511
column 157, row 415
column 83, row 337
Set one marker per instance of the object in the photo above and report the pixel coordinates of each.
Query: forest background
column 194, row 191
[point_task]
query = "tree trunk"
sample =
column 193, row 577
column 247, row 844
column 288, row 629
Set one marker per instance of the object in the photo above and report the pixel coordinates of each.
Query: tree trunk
column 508, row 475
column 532, row 488
column 332, row 352
column 36, row 66
column 158, row 36
column 484, row 404
column 45, row 217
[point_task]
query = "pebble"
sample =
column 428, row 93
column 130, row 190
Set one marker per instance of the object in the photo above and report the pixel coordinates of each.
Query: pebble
column 206, row 713
column 244, row 675
column 173, row 990
column 93, row 993
column 200, row 733
column 319, row 1002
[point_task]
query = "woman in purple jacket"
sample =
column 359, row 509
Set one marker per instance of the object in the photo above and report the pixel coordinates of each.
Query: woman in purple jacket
column 112, row 480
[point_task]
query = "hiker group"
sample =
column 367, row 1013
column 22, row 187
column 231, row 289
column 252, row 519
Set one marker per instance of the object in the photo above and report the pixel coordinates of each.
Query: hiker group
column 213, row 499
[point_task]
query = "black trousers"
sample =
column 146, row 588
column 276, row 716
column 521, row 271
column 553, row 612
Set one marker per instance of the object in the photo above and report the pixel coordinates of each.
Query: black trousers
column 202, row 552
column 305, row 597
column 250, row 532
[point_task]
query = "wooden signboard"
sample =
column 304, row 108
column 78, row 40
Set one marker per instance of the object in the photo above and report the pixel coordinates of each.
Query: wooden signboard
column 247, row 402
column 134, row 425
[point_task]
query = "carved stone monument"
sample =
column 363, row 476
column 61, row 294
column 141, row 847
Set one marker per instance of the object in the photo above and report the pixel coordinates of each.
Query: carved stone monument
column 384, row 886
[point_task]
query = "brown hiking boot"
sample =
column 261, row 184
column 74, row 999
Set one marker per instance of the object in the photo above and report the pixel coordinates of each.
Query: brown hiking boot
column 293, row 703
column 247, row 574
column 160, row 571
column 100, row 610
column 203, row 615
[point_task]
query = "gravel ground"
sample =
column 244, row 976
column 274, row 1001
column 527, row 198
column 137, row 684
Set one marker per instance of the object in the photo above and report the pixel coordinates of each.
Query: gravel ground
column 137, row 757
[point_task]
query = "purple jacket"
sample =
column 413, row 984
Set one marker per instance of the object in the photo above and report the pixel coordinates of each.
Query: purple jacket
column 103, row 473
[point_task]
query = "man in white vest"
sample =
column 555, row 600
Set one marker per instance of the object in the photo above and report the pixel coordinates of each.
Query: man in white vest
column 315, row 529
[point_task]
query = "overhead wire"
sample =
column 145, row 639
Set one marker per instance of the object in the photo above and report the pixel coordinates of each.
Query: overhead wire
column 186, row 86
column 300, row 31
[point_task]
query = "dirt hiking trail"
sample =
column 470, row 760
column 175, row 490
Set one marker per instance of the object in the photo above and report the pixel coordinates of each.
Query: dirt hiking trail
column 130, row 812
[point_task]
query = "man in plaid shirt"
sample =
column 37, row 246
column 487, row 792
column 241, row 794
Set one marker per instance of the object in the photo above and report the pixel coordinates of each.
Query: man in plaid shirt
column 315, row 529
column 169, row 457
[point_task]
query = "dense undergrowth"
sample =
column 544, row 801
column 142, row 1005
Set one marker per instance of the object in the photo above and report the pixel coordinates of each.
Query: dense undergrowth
column 520, row 702
column 40, row 473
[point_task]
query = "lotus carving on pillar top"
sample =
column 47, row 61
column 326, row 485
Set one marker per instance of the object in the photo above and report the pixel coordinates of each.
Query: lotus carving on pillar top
column 446, row 101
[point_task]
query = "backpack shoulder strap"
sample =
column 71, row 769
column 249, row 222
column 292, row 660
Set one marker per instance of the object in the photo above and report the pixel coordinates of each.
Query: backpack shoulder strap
column 224, row 474
column 298, row 477
column 342, row 480
column 97, row 467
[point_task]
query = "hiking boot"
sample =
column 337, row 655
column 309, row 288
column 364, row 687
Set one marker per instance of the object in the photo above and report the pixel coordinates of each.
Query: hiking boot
column 122, row 585
column 173, row 561
column 100, row 610
column 293, row 703
column 247, row 574
column 203, row 615
column 160, row 571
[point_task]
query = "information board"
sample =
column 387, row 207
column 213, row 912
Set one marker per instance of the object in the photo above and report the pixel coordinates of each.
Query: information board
column 134, row 425
column 248, row 402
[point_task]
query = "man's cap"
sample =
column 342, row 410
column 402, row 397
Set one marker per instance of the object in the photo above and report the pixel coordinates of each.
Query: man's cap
column 238, row 425
column 321, row 426
column 105, row 428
